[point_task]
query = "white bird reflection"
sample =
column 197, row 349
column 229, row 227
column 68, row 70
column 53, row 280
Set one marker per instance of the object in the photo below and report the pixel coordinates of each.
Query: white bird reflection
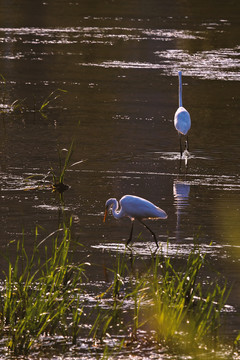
column 186, row 156
column 181, row 190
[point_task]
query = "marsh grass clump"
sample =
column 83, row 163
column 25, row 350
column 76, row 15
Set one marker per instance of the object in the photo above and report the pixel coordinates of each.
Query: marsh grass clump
column 58, row 181
column 56, row 184
column 182, row 310
column 150, row 304
column 166, row 306
column 39, row 297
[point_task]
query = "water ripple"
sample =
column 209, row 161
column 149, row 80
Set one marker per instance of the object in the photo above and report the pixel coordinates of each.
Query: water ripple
column 218, row 64
column 176, row 249
column 215, row 64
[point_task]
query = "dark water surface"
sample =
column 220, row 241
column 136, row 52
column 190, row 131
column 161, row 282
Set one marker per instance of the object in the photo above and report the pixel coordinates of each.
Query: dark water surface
column 118, row 62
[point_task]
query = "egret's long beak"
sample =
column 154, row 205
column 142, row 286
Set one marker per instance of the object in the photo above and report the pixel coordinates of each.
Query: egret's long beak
column 105, row 215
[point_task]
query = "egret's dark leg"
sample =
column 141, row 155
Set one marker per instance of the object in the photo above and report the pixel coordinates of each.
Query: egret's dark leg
column 180, row 141
column 130, row 236
column 187, row 145
column 153, row 234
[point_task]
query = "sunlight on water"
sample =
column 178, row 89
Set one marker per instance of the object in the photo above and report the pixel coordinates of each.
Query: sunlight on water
column 48, row 207
column 125, row 65
column 221, row 64
column 170, row 34
column 217, row 182
column 173, row 249
column 119, row 65
column 216, row 64
column 24, row 182
column 170, row 155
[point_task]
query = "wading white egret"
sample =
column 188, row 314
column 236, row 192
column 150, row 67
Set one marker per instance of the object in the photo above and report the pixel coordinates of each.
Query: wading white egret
column 182, row 120
column 136, row 208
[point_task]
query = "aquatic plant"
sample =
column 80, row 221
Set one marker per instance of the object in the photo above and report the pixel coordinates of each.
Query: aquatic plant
column 3, row 81
column 157, row 305
column 22, row 105
column 49, row 99
column 57, row 181
column 170, row 306
column 39, row 296
column 237, row 342
column 105, row 318
column 183, row 310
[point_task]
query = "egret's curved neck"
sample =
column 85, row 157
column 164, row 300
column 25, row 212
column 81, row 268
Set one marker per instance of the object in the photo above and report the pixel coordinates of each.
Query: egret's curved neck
column 180, row 88
column 117, row 213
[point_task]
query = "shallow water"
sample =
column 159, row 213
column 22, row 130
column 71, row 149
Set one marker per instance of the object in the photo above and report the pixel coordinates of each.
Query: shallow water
column 118, row 64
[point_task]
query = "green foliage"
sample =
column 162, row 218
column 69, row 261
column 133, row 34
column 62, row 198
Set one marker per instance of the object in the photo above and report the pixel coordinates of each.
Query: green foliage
column 57, row 181
column 182, row 309
column 64, row 167
column 104, row 319
column 49, row 99
column 171, row 306
column 237, row 341
column 39, row 297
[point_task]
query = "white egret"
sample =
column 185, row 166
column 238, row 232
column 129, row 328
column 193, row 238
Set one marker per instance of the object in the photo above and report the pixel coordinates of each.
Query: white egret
column 136, row 208
column 182, row 120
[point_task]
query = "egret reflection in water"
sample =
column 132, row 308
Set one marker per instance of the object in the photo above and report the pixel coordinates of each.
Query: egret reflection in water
column 181, row 190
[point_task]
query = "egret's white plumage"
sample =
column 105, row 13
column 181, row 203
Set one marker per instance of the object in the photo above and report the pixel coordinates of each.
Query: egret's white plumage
column 136, row 208
column 182, row 120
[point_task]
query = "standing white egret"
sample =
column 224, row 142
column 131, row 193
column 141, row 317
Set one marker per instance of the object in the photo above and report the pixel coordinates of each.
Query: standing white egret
column 182, row 120
column 136, row 208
